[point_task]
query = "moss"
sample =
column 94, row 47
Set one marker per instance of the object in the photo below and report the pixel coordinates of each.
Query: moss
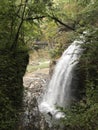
column 84, row 114
column 12, row 69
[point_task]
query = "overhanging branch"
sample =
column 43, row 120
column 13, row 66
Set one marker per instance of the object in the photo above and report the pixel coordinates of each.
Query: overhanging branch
column 60, row 22
column 52, row 17
column 35, row 18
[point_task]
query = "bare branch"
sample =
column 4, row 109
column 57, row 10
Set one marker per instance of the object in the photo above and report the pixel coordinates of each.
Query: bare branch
column 60, row 22
column 53, row 18
column 37, row 17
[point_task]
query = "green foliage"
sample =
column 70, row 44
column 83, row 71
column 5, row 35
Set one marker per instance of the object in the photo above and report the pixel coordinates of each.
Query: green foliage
column 12, row 66
column 89, row 64
column 5, row 22
column 7, row 113
column 43, row 65
column 57, row 51
column 82, row 117
column 84, row 114
column 87, row 16
column 84, row 3
column 61, row 42
column 17, row 18
column 12, row 70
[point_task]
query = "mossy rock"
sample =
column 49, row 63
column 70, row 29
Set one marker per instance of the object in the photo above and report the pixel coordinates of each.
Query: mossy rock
column 12, row 69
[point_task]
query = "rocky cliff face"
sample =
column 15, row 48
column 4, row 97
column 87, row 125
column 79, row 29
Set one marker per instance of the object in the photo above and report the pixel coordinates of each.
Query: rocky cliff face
column 34, row 85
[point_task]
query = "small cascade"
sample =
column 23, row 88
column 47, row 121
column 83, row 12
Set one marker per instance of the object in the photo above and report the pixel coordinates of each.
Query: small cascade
column 59, row 89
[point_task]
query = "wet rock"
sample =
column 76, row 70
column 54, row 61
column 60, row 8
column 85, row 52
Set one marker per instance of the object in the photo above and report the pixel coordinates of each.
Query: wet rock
column 51, row 67
column 31, row 118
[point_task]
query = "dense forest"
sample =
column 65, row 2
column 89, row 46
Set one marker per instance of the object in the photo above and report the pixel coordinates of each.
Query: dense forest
column 31, row 25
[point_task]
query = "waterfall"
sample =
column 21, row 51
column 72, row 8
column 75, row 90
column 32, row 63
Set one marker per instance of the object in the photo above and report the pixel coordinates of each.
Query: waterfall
column 59, row 89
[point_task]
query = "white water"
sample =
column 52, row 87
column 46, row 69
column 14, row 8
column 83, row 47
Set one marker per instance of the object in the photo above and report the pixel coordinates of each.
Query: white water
column 59, row 88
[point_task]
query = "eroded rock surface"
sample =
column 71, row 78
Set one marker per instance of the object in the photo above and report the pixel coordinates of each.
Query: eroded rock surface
column 34, row 84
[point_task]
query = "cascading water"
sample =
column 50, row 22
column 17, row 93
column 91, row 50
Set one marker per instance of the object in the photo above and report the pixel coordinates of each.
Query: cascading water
column 59, row 89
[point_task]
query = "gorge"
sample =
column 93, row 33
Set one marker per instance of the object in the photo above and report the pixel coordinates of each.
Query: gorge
column 38, row 89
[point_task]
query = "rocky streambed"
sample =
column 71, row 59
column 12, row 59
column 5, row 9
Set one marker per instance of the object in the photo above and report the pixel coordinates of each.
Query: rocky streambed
column 34, row 85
